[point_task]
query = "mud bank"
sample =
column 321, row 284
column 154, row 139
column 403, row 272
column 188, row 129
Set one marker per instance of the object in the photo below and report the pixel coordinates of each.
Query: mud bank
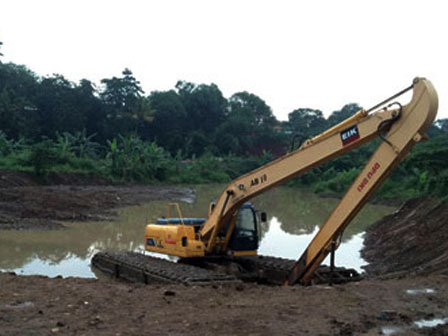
column 412, row 241
column 27, row 203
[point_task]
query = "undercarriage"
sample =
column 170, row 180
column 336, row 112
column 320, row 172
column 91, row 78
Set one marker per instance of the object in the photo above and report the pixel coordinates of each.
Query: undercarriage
column 137, row 267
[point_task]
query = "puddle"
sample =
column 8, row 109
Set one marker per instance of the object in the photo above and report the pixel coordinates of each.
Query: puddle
column 391, row 330
column 71, row 266
column 420, row 291
column 20, row 305
column 431, row 323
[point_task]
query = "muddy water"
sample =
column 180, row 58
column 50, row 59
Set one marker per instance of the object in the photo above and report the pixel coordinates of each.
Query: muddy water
column 293, row 219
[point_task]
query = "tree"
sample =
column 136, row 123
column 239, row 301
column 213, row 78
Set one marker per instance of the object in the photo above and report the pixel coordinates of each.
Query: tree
column 347, row 111
column 307, row 122
column 58, row 107
column 122, row 93
column 17, row 115
column 18, row 87
column 1, row 43
column 122, row 99
column 253, row 108
column 19, row 79
column 170, row 117
column 94, row 112
column 197, row 144
column 205, row 106
column 249, row 118
column 234, row 136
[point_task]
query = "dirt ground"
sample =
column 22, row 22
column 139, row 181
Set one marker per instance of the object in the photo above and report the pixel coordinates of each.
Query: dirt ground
column 27, row 204
column 42, row 306
column 36, row 305
column 413, row 240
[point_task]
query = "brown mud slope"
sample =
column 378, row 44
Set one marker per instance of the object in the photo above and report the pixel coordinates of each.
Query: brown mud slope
column 27, row 203
column 413, row 240
column 41, row 306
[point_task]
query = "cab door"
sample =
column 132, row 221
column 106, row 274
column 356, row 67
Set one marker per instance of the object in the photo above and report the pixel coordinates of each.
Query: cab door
column 245, row 233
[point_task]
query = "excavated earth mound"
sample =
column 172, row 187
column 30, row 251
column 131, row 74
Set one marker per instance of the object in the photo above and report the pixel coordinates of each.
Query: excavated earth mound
column 413, row 240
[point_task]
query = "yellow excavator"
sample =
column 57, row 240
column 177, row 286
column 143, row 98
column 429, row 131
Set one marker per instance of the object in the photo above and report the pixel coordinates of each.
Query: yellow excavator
column 230, row 233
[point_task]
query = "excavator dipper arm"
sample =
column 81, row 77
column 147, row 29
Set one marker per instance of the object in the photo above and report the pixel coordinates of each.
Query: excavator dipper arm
column 414, row 120
column 399, row 128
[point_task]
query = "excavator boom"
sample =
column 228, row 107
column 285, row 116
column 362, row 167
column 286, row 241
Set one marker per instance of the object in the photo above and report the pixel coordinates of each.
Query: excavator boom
column 400, row 128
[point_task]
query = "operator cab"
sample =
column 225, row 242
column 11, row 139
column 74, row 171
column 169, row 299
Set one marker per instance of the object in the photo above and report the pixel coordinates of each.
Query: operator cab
column 245, row 234
column 178, row 236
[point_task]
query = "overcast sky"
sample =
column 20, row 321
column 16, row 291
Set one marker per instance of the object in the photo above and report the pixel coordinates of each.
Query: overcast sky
column 317, row 54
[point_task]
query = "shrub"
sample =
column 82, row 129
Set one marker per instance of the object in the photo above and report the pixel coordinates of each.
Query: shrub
column 42, row 156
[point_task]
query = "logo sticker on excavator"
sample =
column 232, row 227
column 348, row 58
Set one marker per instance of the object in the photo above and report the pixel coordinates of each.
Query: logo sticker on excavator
column 170, row 240
column 349, row 135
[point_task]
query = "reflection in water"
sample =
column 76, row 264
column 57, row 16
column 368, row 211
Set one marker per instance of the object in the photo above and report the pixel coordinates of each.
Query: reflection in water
column 431, row 323
column 293, row 220
column 300, row 212
column 70, row 266
column 278, row 243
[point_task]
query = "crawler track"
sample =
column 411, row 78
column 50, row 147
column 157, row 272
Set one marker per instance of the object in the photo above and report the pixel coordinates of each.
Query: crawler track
column 137, row 267
column 275, row 271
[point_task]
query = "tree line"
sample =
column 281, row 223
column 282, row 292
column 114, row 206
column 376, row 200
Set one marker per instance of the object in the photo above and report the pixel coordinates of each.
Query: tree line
column 191, row 133
column 191, row 119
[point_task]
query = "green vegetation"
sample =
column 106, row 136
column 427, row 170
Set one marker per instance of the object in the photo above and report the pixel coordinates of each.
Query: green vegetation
column 423, row 172
column 124, row 159
column 190, row 134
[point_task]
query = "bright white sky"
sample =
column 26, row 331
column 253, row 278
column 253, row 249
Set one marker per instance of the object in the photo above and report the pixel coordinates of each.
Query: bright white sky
column 317, row 54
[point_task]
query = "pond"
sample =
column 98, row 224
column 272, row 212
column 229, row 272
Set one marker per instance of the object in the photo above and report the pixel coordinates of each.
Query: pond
column 294, row 218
